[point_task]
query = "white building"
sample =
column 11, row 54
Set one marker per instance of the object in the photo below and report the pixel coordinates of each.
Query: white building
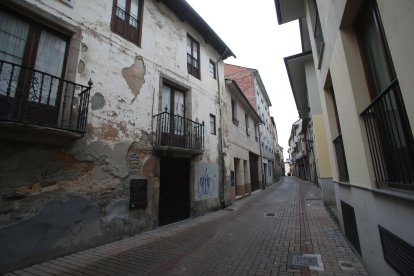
column 251, row 84
column 243, row 153
column 84, row 164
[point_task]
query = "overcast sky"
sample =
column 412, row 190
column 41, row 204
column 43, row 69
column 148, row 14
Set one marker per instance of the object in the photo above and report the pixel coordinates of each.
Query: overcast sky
column 251, row 31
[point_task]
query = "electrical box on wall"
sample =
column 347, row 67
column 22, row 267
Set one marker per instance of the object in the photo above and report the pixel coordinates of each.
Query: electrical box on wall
column 138, row 193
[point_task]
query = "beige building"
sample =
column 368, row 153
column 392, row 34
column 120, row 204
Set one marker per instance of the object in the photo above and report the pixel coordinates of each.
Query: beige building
column 241, row 135
column 362, row 55
column 303, row 80
column 250, row 82
column 278, row 164
column 87, row 162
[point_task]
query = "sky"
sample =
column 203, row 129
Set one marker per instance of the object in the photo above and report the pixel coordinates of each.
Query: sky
column 250, row 30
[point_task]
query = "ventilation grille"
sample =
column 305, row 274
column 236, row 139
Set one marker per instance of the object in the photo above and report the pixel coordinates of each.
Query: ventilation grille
column 397, row 253
column 350, row 225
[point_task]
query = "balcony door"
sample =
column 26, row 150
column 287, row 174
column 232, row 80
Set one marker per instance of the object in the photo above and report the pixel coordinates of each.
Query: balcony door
column 175, row 124
column 32, row 59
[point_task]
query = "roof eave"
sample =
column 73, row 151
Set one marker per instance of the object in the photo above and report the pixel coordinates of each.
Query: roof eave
column 289, row 10
column 295, row 67
column 186, row 13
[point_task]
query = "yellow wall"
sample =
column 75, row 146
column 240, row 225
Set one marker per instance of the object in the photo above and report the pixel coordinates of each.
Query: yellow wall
column 321, row 152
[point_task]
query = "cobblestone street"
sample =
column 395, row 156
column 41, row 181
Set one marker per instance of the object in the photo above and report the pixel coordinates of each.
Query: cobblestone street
column 259, row 235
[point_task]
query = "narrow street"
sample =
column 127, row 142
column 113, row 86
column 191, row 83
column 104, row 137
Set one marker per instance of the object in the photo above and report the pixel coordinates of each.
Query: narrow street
column 259, row 235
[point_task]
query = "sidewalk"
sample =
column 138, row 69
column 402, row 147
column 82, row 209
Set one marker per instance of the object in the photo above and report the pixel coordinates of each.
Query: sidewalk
column 259, row 235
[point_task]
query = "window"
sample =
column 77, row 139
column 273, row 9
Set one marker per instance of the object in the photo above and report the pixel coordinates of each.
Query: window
column 234, row 112
column 212, row 69
column 193, row 60
column 212, row 124
column 173, row 100
column 26, row 45
column 318, row 35
column 127, row 19
column 389, row 133
column 338, row 142
column 255, row 133
column 246, row 118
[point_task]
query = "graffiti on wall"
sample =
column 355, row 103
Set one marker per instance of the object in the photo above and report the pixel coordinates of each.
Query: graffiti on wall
column 206, row 180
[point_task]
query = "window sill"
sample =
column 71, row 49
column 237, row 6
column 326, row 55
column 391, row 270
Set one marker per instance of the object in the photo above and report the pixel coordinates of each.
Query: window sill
column 391, row 192
column 402, row 194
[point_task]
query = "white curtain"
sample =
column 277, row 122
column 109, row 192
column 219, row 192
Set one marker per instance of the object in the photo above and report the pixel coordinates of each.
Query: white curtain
column 134, row 13
column 121, row 7
column 166, row 106
column 50, row 58
column 13, row 37
column 179, row 110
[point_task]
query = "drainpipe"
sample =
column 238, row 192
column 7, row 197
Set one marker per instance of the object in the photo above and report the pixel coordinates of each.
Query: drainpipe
column 261, row 161
column 221, row 163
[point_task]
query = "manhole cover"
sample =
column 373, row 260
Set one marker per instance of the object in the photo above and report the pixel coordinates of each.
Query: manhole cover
column 304, row 261
column 270, row 215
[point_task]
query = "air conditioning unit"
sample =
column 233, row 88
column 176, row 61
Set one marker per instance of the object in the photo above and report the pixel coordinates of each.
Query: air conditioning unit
column 249, row 131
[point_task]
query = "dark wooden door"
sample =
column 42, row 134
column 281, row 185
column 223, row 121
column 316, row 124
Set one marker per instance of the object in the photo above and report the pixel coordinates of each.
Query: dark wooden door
column 254, row 171
column 174, row 203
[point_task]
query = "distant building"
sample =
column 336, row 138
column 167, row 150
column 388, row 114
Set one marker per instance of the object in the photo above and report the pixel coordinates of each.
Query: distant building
column 240, row 134
column 252, row 86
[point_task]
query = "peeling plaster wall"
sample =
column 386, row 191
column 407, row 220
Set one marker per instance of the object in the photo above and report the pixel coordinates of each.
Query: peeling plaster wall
column 76, row 196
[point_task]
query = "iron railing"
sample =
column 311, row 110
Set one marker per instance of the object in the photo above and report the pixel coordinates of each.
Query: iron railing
column 37, row 98
column 177, row 131
column 390, row 139
column 340, row 158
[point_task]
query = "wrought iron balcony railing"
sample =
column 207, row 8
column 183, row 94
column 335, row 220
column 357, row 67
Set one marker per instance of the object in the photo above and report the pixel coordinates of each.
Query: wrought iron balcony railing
column 340, row 159
column 390, row 139
column 33, row 97
column 178, row 132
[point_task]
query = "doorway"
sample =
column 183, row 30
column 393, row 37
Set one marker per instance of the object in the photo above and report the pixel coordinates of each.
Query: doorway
column 174, row 201
column 254, row 172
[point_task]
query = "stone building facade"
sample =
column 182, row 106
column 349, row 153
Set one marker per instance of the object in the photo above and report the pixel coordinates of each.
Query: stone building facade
column 104, row 122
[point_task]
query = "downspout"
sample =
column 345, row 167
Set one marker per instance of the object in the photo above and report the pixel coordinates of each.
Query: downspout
column 261, row 161
column 221, row 154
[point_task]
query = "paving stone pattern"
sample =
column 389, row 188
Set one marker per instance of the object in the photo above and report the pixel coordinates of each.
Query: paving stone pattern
column 258, row 235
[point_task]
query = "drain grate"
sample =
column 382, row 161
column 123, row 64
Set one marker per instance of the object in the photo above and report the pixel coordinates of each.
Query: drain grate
column 312, row 261
column 344, row 265
column 304, row 261
column 270, row 215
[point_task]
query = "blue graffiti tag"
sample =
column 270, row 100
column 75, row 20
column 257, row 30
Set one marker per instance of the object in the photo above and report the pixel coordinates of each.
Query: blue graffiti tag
column 205, row 185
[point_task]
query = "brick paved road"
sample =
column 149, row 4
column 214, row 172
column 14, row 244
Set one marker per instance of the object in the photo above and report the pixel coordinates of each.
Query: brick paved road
column 259, row 237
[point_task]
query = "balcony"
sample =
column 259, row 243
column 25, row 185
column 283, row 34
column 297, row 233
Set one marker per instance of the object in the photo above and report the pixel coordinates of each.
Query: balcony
column 178, row 136
column 390, row 139
column 41, row 108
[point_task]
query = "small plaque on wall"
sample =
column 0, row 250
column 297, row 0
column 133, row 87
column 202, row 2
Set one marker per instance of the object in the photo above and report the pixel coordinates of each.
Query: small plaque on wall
column 138, row 193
